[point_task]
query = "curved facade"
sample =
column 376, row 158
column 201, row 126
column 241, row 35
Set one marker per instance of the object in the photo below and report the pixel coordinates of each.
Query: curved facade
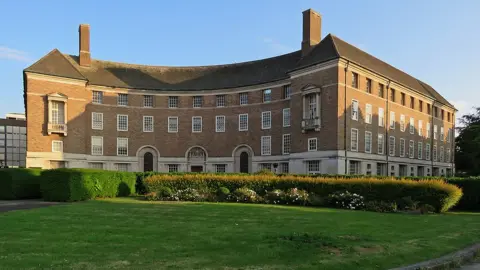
column 316, row 110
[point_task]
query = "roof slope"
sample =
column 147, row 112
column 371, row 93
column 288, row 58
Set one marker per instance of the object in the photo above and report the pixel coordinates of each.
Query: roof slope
column 124, row 75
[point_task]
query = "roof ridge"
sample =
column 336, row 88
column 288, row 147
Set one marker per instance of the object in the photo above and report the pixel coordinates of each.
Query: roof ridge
column 43, row 57
column 334, row 43
column 74, row 67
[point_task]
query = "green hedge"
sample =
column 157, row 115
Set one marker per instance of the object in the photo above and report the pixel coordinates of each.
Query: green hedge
column 84, row 184
column 437, row 193
column 19, row 184
column 471, row 192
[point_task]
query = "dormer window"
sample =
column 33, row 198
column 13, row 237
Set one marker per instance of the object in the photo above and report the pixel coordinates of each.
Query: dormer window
column 57, row 113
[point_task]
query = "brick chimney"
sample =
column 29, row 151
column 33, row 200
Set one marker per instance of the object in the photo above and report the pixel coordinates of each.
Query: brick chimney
column 84, row 45
column 312, row 30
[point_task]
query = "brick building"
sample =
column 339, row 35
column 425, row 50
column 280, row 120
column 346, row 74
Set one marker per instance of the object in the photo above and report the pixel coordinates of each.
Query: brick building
column 13, row 141
column 326, row 108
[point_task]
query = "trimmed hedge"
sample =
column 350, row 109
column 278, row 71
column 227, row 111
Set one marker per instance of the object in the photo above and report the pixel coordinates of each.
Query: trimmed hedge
column 437, row 193
column 84, row 184
column 19, row 184
column 471, row 193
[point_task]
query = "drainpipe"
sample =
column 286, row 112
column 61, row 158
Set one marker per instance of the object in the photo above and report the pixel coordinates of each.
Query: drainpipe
column 386, row 140
column 345, row 118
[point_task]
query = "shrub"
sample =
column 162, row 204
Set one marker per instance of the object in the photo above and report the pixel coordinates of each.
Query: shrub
column 427, row 209
column 316, row 200
column 265, row 172
column 222, row 194
column 346, row 200
column 276, row 196
column 406, row 203
column 296, row 196
column 84, row 184
column 381, row 206
column 188, row 194
column 151, row 196
column 437, row 193
column 245, row 195
column 19, row 184
column 470, row 200
column 164, row 192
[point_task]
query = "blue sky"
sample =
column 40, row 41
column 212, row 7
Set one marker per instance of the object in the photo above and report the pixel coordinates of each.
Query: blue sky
column 436, row 41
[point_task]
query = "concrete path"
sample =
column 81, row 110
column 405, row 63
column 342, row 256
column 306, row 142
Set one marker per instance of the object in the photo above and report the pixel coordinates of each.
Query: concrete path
column 475, row 266
column 12, row 205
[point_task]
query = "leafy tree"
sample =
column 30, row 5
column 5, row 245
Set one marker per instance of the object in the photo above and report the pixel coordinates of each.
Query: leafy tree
column 467, row 154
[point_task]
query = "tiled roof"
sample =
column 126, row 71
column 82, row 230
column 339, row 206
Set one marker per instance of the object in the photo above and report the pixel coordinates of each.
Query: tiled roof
column 163, row 78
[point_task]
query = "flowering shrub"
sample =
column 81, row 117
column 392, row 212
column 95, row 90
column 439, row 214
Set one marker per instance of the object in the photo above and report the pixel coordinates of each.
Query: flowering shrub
column 188, row 194
column 244, row 195
column 346, row 200
column 296, row 196
column 276, row 196
column 380, row 206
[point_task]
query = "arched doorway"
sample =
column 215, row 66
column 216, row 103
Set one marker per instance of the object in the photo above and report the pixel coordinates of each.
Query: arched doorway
column 148, row 162
column 244, row 162
column 196, row 157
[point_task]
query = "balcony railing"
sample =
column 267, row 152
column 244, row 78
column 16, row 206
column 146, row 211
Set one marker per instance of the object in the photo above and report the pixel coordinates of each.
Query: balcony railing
column 57, row 128
column 311, row 124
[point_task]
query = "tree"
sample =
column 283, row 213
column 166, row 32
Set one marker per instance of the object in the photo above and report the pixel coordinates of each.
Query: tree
column 467, row 152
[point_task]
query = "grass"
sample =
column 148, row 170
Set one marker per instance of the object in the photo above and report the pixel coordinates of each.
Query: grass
column 131, row 234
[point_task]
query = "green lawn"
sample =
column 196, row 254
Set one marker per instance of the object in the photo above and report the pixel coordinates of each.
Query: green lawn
column 130, row 234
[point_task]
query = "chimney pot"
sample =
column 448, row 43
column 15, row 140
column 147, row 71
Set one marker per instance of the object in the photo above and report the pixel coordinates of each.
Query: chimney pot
column 84, row 45
column 312, row 30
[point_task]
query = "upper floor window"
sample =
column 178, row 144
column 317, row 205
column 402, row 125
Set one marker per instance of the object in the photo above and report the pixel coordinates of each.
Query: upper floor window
column 368, row 142
column 122, row 100
column 442, row 114
column 97, row 145
column 354, row 80
column 420, row 128
column 266, row 145
column 412, row 125
column 402, row 98
column 122, row 146
column 266, row 120
column 354, row 139
column 402, row 147
column 402, row 122
column 97, row 120
column 435, row 132
column 420, row 105
column 221, row 101
column 354, row 110
column 197, row 124
column 381, row 117
column 392, row 95
column 368, row 86
column 148, row 101
column 267, row 95
column 420, row 150
column 286, row 144
column 427, row 134
column 286, row 117
column 435, row 111
column 147, row 123
column 97, row 97
column 448, row 116
column 429, row 109
column 368, row 112
column 243, row 122
column 57, row 146
column 411, row 149
column 381, row 90
column 172, row 124
column 381, row 143
column 197, row 101
column 57, row 113
column 122, row 122
column 312, row 144
column 243, row 98
column 311, row 100
column 287, row 91
column 173, row 102
column 392, row 120
column 412, row 102
column 391, row 146
column 220, row 123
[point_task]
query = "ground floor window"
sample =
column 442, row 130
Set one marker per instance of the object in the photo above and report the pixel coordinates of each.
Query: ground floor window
column 172, row 167
column 122, row 167
column 265, row 166
column 412, row 173
column 369, row 169
column 313, row 166
column 220, row 168
column 420, row 171
column 354, row 167
column 402, row 170
column 382, row 169
column 284, row 167
column 96, row 165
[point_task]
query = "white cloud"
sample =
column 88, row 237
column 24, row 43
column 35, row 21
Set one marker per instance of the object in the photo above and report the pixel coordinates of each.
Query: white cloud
column 277, row 47
column 13, row 54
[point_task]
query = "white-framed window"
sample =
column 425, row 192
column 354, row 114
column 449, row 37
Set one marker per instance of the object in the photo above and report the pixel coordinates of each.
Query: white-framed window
column 313, row 166
column 172, row 124
column 122, row 99
column 243, row 98
column 391, row 146
column 284, row 167
column 95, row 165
column 286, row 117
column 265, row 166
column 412, row 125
column 97, row 120
column 368, row 142
column 148, row 101
column 172, row 167
column 220, row 123
column 381, row 144
column 354, row 139
column 354, row 110
column 97, row 97
column 411, row 149
column 97, row 145
column 441, row 154
column 312, row 144
column 420, row 128
column 267, row 95
column 434, row 154
column 287, row 91
column 420, row 150
column 122, row 146
column 381, row 117
column 402, row 147
column 354, row 167
column 442, row 134
column 287, row 142
column 221, row 101
column 147, row 123
column 173, row 102
column 197, row 101
column 266, row 120
column 57, row 146
column 368, row 117
column 392, row 120
column 220, row 168
column 122, row 167
column 448, row 158
column 310, row 112
column 196, row 124
column 122, row 122
column 57, row 112
column 428, row 131
column 266, row 145
column 427, row 151
column 435, row 132
column 402, row 123
column 243, row 122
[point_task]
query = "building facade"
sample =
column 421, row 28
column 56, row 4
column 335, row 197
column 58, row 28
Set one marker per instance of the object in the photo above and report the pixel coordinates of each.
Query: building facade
column 326, row 108
column 13, row 142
